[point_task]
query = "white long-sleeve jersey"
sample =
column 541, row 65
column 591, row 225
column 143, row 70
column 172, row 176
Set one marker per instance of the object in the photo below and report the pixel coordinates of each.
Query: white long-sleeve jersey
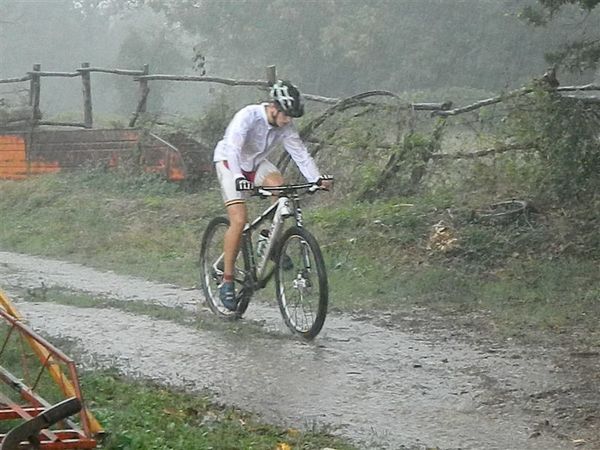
column 249, row 139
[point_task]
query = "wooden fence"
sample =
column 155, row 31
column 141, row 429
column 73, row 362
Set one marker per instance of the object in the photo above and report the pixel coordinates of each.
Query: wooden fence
column 32, row 116
column 17, row 162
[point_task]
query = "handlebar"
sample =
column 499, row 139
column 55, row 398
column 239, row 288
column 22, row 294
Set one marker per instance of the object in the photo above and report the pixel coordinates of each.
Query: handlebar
column 268, row 191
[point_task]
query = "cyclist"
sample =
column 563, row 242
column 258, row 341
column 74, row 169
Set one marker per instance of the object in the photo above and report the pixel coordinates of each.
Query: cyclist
column 241, row 161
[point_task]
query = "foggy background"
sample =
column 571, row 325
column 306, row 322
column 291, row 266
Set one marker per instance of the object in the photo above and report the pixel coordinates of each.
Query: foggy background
column 431, row 49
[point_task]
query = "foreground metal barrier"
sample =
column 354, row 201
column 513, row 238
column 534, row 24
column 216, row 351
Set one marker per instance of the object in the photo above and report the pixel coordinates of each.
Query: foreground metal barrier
column 39, row 386
column 29, row 431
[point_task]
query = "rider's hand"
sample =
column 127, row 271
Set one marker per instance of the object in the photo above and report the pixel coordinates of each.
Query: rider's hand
column 325, row 182
column 242, row 184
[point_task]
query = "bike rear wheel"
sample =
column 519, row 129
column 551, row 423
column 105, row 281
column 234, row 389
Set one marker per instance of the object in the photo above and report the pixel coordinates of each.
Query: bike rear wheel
column 211, row 269
column 301, row 283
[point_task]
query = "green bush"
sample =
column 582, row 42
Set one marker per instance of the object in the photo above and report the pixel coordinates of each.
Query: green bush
column 564, row 132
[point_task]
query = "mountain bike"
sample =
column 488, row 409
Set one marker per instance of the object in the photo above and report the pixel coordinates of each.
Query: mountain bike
column 292, row 255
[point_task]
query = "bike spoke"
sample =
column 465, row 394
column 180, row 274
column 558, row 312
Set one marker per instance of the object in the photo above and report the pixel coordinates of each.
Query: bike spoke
column 212, row 266
column 301, row 289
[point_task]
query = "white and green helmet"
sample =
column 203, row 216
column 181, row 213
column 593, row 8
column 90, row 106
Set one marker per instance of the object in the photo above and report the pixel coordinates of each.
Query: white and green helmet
column 287, row 98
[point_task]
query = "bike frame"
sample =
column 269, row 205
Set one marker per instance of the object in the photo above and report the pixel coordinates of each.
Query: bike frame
column 287, row 205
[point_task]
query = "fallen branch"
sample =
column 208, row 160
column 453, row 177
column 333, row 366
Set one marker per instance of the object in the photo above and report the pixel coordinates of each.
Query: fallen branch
column 440, row 156
column 515, row 93
column 587, row 87
column 318, row 121
column 342, row 105
column 429, row 106
column 481, row 153
column 482, row 103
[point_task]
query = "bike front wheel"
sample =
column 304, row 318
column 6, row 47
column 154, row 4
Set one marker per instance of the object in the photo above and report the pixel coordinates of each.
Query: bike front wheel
column 301, row 283
column 211, row 269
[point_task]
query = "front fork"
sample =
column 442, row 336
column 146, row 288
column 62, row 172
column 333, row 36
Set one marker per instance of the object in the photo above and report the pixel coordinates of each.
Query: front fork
column 283, row 211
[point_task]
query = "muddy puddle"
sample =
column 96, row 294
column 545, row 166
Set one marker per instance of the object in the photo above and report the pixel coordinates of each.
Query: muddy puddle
column 381, row 387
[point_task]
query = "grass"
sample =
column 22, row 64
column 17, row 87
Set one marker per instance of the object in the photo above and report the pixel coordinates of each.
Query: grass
column 112, row 226
column 143, row 416
column 523, row 276
column 512, row 273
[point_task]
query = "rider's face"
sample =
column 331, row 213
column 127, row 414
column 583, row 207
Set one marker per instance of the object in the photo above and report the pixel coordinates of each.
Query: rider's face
column 276, row 117
column 282, row 119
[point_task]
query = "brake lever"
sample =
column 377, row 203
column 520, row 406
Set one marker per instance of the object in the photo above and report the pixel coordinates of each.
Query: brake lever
column 315, row 187
column 263, row 192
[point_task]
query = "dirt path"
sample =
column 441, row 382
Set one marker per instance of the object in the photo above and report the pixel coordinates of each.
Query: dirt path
column 379, row 386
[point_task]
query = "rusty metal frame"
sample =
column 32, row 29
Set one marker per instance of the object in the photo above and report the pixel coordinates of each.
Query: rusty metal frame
column 72, row 436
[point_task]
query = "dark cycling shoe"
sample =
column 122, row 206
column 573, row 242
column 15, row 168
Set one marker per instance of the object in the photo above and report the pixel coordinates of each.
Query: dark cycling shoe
column 227, row 296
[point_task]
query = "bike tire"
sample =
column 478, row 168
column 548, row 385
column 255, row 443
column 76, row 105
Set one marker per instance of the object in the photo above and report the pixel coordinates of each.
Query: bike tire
column 211, row 250
column 300, row 271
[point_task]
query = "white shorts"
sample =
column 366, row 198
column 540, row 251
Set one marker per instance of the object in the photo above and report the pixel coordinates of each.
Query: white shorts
column 232, row 196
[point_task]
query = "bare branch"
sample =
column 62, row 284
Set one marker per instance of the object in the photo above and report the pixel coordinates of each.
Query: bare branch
column 482, row 103
column 587, row 87
column 481, row 153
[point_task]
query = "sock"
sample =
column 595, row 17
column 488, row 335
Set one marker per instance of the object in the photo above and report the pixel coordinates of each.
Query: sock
column 228, row 278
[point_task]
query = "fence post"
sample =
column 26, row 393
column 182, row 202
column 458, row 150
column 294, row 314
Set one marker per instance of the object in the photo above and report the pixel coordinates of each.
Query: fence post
column 144, row 90
column 142, row 104
column 87, row 95
column 271, row 74
column 34, row 93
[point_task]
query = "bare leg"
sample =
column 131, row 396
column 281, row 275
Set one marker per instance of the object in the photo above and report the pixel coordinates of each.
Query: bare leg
column 237, row 220
column 238, row 217
column 273, row 179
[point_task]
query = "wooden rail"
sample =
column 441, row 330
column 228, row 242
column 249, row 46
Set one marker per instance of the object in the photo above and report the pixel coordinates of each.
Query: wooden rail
column 143, row 77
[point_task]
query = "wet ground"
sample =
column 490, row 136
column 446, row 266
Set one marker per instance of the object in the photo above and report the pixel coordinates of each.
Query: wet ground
column 381, row 385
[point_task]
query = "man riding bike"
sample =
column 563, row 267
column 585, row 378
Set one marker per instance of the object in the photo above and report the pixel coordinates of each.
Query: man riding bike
column 241, row 161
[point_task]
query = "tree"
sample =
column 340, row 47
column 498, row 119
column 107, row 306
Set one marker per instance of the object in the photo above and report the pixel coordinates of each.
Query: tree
column 150, row 45
column 341, row 47
column 581, row 53
column 41, row 32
